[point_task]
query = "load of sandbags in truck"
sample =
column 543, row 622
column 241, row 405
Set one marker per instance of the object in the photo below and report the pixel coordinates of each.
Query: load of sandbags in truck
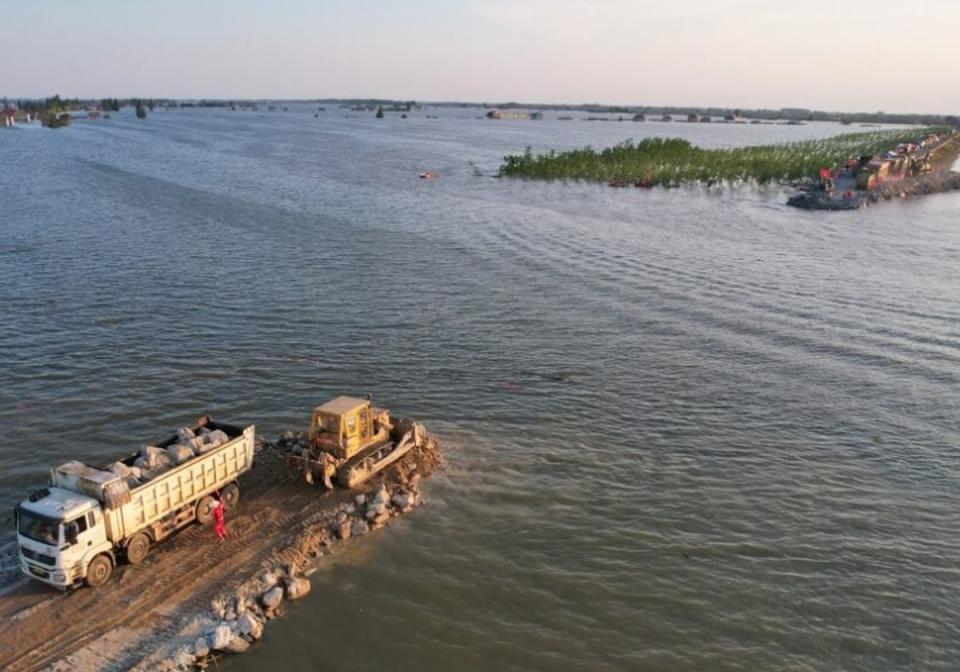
column 184, row 449
column 152, row 461
column 191, row 443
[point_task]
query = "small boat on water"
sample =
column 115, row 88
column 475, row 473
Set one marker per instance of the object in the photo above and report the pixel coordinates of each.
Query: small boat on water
column 427, row 175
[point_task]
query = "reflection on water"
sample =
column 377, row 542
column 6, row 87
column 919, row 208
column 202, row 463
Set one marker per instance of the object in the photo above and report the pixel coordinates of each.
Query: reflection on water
column 686, row 430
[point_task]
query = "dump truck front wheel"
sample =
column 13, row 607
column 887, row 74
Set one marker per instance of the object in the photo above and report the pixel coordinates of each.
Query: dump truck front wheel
column 137, row 548
column 99, row 571
column 205, row 509
column 231, row 496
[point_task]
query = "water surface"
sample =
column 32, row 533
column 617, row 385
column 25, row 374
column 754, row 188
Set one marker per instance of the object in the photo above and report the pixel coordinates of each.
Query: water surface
column 686, row 430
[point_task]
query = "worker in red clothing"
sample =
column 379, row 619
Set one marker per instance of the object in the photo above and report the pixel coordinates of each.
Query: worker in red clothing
column 219, row 524
column 826, row 179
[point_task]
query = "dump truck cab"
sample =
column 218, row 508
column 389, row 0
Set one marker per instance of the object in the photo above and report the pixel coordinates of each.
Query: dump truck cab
column 59, row 532
column 347, row 425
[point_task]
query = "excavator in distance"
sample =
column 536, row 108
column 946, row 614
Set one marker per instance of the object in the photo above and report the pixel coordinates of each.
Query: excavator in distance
column 350, row 441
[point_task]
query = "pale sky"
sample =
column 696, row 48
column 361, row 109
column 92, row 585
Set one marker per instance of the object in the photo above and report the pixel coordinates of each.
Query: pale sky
column 852, row 55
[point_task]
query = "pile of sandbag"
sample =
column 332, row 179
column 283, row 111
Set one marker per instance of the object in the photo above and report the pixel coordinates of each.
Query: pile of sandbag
column 153, row 461
column 202, row 442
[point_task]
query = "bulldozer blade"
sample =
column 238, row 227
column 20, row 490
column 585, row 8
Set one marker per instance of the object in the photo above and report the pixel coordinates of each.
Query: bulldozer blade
column 295, row 466
column 359, row 472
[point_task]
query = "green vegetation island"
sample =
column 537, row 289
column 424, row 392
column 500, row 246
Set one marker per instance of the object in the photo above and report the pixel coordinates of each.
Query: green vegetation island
column 672, row 162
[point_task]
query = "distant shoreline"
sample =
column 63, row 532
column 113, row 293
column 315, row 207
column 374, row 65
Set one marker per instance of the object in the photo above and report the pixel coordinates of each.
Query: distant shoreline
column 683, row 111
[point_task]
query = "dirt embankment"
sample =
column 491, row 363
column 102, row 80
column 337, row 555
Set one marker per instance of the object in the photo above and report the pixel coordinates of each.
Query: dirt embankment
column 194, row 599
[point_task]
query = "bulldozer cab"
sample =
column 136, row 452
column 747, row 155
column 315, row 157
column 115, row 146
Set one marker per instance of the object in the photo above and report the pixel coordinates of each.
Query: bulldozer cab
column 342, row 426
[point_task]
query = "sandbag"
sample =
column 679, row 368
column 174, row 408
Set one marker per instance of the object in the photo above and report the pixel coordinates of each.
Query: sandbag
column 120, row 469
column 219, row 436
column 131, row 475
column 207, row 441
column 150, row 474
column 179, row 453
column 152, row 457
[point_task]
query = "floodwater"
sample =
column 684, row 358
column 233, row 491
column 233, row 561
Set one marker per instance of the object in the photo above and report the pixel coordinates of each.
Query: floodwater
column 686, row 430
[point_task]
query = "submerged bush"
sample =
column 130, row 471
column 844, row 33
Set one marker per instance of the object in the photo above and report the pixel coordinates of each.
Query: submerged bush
column 674, row 161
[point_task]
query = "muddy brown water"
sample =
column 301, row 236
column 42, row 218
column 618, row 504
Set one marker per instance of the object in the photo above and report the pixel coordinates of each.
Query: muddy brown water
column 686, row 430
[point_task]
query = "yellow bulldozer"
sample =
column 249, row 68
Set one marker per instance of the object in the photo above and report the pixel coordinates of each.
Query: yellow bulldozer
column 350, row 441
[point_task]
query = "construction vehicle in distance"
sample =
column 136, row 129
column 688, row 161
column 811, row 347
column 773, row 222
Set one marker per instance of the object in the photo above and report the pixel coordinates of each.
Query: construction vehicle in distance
column 90, row 519
column 350, row 441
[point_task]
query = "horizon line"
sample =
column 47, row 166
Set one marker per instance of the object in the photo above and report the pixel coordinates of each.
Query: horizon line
column 504, row 103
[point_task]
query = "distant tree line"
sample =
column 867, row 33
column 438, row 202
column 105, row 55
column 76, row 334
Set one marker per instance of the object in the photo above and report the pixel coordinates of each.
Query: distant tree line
column 58, row 104
column 51, row 105
column 207, row 103
column 786, row 113
column 766, row 114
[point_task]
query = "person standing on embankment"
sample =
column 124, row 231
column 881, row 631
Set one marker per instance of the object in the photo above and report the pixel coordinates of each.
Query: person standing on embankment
column 219, row 522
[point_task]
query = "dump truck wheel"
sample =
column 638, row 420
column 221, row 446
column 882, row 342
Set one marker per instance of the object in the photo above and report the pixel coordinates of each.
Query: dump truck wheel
column 137, row 548
column 205, row 509
column 231, row 496
column 99, row 571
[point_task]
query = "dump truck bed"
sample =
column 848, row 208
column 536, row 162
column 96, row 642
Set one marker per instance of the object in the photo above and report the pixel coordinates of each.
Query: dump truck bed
column 182, row 484
column 128, row 510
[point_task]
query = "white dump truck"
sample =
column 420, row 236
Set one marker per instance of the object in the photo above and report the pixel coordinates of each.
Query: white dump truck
column 89, row 519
